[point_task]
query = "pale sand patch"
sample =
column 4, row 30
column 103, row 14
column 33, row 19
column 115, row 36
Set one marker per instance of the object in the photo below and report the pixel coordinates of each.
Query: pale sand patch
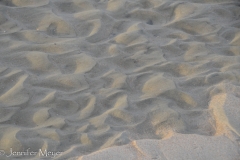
column 178, row 147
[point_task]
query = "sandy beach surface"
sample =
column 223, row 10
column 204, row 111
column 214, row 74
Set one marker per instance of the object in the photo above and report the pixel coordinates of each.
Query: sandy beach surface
column 120, row 79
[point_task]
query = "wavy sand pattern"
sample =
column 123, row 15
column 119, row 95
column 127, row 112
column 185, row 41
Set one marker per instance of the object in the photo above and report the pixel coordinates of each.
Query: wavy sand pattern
column 79, row 76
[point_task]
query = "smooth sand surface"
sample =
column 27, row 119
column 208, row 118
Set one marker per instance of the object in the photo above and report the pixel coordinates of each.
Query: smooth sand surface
column 120, row 79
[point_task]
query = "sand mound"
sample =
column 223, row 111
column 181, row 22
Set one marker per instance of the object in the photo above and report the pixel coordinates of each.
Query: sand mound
column 177, row 147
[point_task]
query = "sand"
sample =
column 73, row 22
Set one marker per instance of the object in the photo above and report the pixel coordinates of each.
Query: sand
column 120, row 79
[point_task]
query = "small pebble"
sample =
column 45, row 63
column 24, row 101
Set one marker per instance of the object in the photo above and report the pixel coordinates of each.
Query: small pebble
column 150, row 22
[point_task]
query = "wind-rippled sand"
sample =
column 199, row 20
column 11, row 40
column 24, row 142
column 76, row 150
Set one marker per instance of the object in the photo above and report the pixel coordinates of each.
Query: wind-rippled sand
column 151, row 79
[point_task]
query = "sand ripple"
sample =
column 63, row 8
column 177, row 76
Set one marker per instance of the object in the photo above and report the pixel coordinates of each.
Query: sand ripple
column 78, row 76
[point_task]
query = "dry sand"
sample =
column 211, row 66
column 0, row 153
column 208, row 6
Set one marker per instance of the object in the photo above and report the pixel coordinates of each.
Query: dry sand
column 120, row 79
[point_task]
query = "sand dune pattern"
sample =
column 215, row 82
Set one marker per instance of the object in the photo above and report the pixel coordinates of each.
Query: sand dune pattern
column 82, row 75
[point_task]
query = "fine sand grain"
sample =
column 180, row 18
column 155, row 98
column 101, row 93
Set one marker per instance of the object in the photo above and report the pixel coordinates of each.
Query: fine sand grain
column 120, row 79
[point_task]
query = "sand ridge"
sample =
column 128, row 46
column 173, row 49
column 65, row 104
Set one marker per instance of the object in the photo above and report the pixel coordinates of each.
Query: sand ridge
column 80, row 76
